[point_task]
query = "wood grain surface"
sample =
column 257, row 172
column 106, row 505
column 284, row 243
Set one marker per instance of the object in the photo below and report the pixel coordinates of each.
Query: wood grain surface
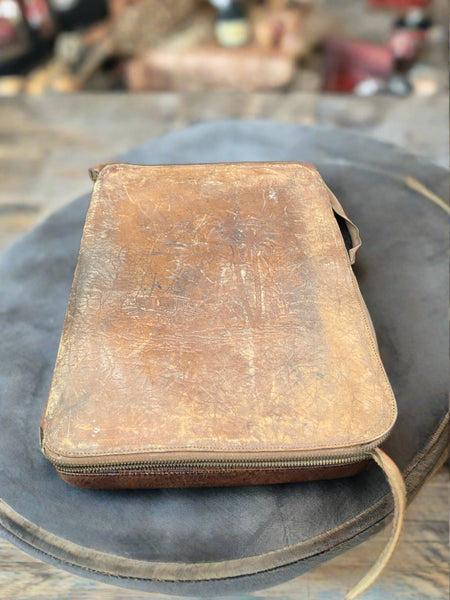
column 47, row 145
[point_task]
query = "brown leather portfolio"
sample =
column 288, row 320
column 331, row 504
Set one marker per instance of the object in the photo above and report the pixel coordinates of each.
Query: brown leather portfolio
column 215, row 334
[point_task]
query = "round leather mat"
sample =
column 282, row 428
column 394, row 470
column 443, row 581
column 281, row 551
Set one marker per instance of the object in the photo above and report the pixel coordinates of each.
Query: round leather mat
column 265, row 534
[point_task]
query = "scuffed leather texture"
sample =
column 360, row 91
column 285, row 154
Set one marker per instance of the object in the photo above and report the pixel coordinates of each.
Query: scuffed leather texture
column 214, row 313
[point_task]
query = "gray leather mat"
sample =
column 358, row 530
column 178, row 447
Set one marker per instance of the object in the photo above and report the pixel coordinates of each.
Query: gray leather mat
column 264, row 534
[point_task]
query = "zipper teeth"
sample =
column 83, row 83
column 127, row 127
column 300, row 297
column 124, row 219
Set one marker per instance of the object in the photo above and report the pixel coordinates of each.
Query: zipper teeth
column 224, row 463
column 164, row 465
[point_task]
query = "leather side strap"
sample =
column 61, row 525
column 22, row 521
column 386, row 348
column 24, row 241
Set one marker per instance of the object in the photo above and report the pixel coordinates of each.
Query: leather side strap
column 352, row 229
column 398, row 489
column 95, row 171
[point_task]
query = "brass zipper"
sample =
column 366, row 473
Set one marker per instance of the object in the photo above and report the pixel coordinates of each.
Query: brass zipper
column 224, row 464
column 164, row 465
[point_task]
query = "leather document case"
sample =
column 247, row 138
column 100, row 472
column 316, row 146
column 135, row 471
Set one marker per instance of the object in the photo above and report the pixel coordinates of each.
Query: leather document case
column 215, row 334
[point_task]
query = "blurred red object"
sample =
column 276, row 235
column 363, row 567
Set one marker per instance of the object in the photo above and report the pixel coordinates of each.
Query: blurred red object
column 399, row 4
column 349, row 62
column 8, row 32
column 407, row 43
column 38, row 16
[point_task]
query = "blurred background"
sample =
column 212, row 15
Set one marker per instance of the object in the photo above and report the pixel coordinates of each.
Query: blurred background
column 362, row 47
column 82, row 81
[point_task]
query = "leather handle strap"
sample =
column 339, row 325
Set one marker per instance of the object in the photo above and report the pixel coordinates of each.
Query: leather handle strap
column 352, row 229
column 336, row 205
column 95, row 171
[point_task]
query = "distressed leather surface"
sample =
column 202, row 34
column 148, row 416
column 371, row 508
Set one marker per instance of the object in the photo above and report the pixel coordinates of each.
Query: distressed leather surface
column 214, row 312
column 286, row 529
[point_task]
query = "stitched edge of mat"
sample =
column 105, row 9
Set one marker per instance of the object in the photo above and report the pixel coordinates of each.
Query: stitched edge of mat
column 68, row 553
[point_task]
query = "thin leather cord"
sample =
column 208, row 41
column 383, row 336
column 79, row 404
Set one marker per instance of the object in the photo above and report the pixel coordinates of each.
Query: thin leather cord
column 408, row 180
column 418, row 187
column 398, row 489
